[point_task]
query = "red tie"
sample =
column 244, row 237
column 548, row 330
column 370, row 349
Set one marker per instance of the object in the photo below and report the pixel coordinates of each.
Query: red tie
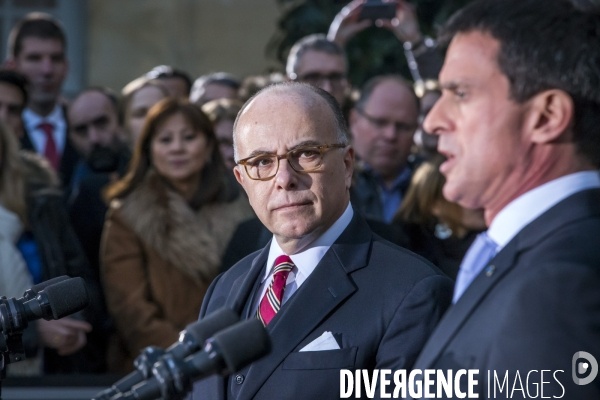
column 271, row 301
column 50, row 152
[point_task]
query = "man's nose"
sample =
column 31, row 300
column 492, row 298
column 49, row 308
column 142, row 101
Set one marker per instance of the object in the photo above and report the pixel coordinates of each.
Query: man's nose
column 287, row 177
column 47, row 66
column 435, row 122
column 326, row 86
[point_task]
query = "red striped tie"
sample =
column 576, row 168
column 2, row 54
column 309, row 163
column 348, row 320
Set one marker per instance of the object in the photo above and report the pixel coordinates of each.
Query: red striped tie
column 271, row 301
column 50, row 151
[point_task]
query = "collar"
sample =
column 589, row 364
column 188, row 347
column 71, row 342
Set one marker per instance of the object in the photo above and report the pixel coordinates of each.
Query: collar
column 529, row 206
column 306, row 260
column 32, row 120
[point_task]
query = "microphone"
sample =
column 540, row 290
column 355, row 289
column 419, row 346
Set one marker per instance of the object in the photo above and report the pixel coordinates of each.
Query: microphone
column 32, row 293
column 227, row 352
column 55, row 301
column 191, row 340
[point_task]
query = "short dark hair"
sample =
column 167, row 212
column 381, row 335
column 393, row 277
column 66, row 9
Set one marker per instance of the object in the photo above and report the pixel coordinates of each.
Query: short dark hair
column 315, row 42
column 37, row 24
column 553, row 45
column 371, row 84
column 339, row 119
column 166, row 72
column 16, row 79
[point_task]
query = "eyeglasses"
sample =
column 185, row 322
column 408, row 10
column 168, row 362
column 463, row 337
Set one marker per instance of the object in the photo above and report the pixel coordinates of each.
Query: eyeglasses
column 381, row 123
column 335, row 79
column 263, row 167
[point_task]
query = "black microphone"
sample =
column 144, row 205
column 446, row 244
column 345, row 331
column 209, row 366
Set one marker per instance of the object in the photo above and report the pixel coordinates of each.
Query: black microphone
column 32, row 293
column 227, row 352
column 53, row 302
column 190, row 341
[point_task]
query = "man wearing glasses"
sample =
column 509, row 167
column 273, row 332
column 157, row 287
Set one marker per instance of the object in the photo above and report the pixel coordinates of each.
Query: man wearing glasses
column 331, row 293
column 383, row 123
column 319, row 62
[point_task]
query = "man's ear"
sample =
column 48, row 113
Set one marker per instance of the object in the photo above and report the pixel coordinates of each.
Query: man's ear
column 239, row 174
column 550, row 116
column 349, row 163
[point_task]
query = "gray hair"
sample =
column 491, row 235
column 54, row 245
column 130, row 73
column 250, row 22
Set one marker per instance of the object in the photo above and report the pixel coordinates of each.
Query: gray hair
column 221, row 78
column 341, row 128
column 316, row 42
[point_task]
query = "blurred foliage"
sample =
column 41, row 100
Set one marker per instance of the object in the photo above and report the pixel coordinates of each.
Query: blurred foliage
column 372, row 52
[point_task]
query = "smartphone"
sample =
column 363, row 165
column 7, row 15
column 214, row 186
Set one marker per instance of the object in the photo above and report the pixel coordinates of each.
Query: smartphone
column 377, row 9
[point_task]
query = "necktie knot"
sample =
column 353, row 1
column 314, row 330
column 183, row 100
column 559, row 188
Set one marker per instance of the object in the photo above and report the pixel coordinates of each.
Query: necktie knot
column 271, row 301
column 47, row 128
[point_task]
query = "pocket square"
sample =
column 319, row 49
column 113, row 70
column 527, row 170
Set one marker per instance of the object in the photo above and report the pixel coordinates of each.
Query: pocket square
column 324, row 342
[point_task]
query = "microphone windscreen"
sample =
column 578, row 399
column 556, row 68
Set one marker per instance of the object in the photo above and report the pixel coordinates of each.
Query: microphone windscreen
column 243, row 343
column 67, row 297
column 43, row 285
column 209, row 325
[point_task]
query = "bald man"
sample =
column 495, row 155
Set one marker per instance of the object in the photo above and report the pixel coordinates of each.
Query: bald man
column 331, row 294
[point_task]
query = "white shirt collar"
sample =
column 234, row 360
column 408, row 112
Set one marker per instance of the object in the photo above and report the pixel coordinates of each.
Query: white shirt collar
column 527, row 207
column 32, row 120
column 308, row 259
column 36, row 135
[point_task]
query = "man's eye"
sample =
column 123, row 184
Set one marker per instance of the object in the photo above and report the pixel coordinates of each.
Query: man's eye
column 307, row 153
column 260, row 162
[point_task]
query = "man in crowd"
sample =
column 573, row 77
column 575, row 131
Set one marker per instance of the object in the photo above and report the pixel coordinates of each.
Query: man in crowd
column 383, row 122
column 518, row 121
column 37, row 49
column 321, row 63
column 323, row 264
column 13, row 97
column 98, row 135
column 220, row 85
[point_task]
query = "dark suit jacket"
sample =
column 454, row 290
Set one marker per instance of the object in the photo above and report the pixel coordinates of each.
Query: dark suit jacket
column 378, row 300
column 252, row 235
column 533, row 307
column 68, row 158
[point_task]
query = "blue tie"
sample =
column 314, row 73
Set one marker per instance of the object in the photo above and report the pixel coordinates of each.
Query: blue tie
column 480, row 253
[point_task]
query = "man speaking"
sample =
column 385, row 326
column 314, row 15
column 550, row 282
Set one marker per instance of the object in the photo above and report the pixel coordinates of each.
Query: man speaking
column 331, row 294
column 519, row 123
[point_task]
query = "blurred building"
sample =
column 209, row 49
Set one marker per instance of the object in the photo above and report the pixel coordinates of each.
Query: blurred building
column 110, row 42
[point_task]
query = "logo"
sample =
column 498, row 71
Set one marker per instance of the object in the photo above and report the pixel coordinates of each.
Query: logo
column 582, row 367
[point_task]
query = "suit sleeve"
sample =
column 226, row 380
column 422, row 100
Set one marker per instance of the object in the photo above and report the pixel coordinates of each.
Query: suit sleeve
column 413, row 322
column 137, row 317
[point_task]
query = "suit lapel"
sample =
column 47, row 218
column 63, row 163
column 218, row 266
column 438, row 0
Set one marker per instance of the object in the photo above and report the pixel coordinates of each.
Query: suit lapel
column 241, row 290
column 578, row 206
column 327, row 287
column 458, row 313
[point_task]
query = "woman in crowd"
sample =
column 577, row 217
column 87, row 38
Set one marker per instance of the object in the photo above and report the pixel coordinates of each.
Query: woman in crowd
column 169, row 222
column 37, row 243
column 438, row 230
column 138, row 98
column 222, row 114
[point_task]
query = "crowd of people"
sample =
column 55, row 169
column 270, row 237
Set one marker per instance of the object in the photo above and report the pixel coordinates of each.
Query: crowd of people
column 134, row 190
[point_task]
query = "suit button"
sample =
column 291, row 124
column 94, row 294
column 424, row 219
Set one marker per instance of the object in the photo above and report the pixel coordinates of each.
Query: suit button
column 489, row 270
column 239, row 379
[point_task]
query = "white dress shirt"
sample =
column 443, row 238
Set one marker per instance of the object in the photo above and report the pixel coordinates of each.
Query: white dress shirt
column 305, row 261
column 38, row 137
column 527, row 207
